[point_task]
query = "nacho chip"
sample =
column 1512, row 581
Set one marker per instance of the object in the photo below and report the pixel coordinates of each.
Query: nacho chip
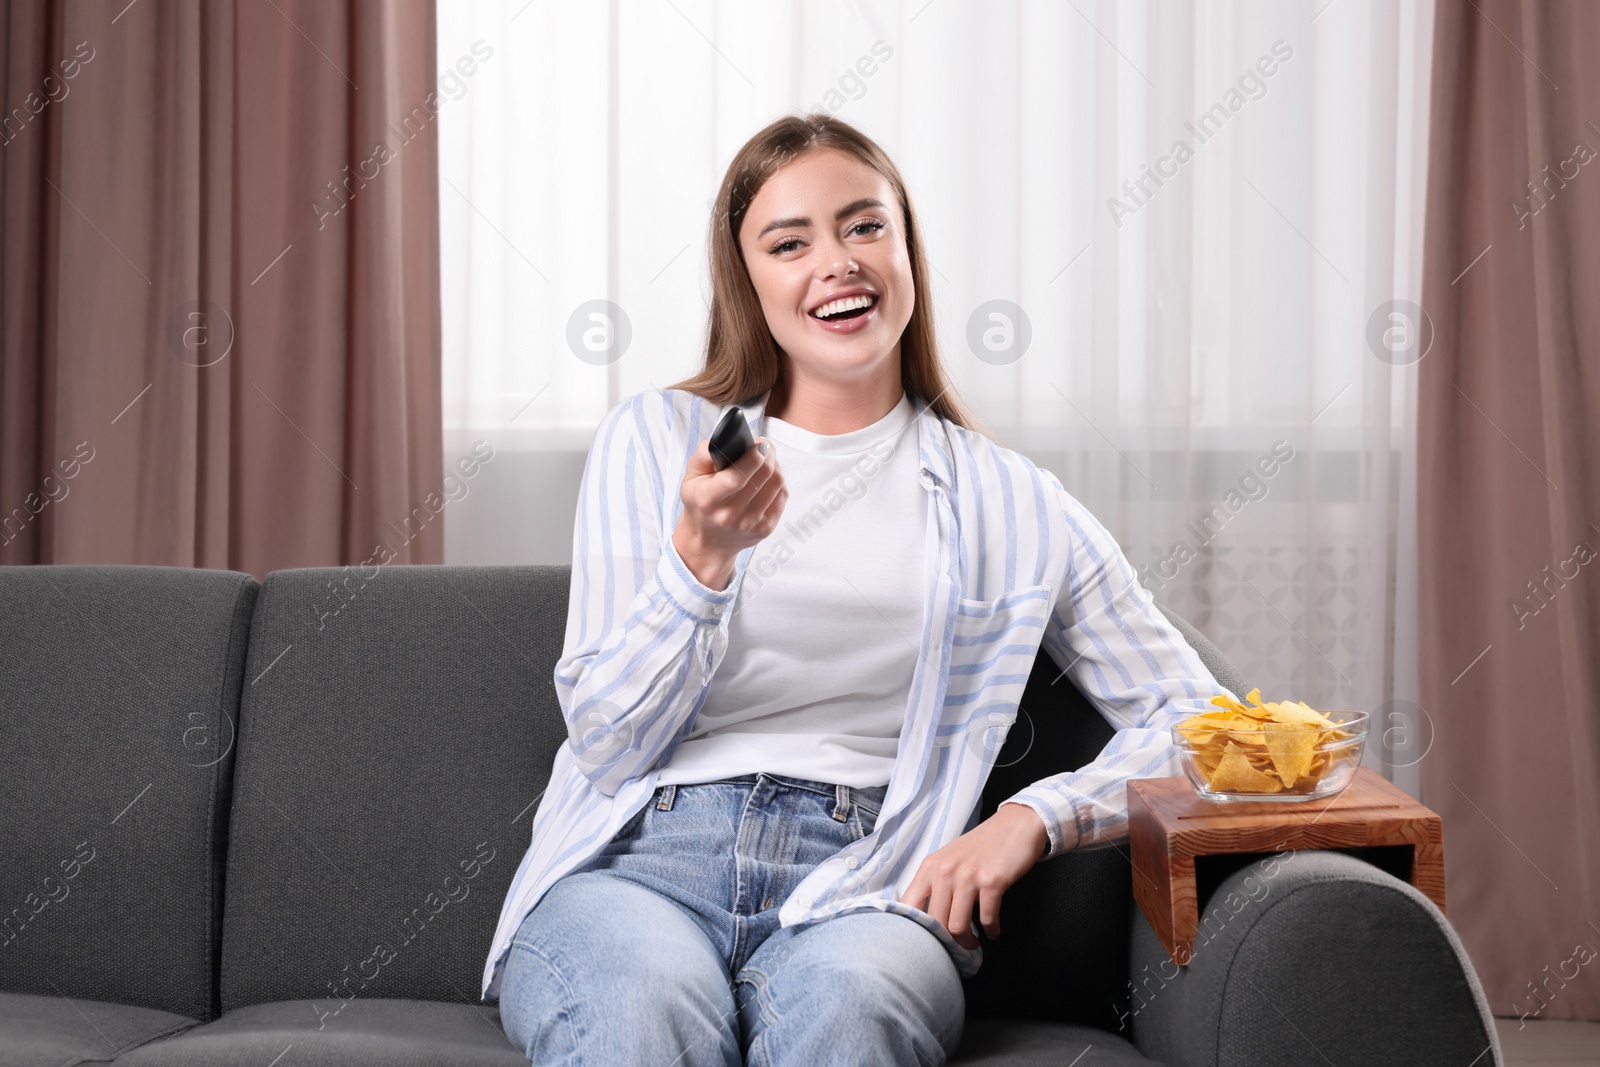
column 1254, row 697
column 1292, row 748
column 1234, row 774
column 1299, row 713
column 1226, row 700
column 1200, row 729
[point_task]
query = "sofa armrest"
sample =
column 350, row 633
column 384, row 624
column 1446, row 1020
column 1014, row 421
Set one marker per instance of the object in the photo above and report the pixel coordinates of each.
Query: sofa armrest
column 1308, row 958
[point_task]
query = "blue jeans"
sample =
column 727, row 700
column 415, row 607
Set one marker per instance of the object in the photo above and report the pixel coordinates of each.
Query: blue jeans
column 665, row 948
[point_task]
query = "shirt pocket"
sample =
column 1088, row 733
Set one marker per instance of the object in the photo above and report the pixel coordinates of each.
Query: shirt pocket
column 1017, row 617
column 993, row 648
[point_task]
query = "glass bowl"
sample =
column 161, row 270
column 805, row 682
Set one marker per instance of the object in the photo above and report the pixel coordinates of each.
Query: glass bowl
column 1278, row 762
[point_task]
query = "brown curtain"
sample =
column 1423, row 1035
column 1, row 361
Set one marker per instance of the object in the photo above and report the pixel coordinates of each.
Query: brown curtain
column 219, row 293
column 1509, row 505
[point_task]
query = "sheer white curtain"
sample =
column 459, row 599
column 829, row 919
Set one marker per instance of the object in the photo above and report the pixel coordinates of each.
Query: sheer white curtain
column 1194, row 213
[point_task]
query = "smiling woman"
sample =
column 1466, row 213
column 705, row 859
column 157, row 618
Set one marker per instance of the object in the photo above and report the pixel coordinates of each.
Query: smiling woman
column 763, row 825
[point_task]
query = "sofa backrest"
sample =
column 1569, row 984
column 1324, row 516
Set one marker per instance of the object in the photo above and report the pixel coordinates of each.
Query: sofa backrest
column 1063, row 950
column 397, row 727
column 118, row 691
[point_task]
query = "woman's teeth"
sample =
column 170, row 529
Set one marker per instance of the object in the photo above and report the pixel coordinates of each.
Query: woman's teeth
column 837, row 307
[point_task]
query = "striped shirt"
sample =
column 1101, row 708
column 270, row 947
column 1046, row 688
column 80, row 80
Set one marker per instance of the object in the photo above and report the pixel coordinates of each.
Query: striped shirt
column 1020, row 566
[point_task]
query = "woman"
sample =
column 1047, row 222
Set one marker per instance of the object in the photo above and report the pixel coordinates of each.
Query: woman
column 760, row 841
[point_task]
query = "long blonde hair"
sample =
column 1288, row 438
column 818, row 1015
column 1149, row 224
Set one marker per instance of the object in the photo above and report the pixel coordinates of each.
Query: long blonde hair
column 741, row 355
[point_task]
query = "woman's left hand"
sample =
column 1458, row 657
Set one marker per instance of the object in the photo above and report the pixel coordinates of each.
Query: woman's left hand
column 976, row 869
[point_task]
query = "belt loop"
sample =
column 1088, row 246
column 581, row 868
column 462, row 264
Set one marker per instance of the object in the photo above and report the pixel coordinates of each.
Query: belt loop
column 668, row 794
column 841, row 802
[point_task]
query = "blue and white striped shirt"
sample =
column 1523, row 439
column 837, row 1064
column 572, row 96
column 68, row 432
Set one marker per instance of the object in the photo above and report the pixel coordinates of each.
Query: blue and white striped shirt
column 1021, row 565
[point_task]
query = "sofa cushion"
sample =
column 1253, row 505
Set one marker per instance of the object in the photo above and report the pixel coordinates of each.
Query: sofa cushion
column 118, row 688
column 40, row 1031
column 399, row 726
column 1030, row 1043
column 395, row 1033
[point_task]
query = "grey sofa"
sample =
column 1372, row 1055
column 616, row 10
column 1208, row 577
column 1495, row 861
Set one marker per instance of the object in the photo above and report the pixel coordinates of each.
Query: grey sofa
column 274, row 824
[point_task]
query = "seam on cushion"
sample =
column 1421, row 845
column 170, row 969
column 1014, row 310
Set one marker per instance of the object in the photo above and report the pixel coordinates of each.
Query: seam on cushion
column 256, row 614
column 213, row 961
column 1318, row 881
column 123, row 1050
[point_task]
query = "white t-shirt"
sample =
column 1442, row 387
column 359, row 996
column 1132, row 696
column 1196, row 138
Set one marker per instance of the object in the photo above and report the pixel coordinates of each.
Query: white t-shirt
column 823, row 635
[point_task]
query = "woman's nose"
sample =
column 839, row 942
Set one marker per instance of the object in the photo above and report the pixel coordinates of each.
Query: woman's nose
column 840, row 263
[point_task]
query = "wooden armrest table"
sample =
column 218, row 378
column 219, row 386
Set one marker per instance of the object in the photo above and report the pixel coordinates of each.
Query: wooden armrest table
column 1169, row 824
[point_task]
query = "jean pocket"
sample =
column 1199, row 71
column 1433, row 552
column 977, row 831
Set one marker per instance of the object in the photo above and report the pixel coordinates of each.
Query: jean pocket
column 862, row 820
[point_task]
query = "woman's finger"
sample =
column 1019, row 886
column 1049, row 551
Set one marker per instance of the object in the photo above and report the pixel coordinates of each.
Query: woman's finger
column 962, row 900
column 939, row 902
column 989, row 911
column 916, row 893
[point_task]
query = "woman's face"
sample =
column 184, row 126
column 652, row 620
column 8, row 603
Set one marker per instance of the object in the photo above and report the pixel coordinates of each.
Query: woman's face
column 823, row 224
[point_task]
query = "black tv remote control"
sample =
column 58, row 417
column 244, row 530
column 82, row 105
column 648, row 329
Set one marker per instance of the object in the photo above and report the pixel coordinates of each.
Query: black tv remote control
column 731, row 439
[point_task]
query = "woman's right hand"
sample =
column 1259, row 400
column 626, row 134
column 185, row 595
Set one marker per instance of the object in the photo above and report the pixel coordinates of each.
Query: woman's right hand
column 727, row 511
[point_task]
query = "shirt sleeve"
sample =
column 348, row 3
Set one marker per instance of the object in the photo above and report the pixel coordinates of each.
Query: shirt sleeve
column 1133, row 665
column 643, row 635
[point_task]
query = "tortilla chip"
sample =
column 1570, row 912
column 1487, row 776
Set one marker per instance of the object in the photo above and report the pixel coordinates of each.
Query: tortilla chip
column 1234, row 774
column 1200, row 729
column 1292, row 748
column 1299, row 713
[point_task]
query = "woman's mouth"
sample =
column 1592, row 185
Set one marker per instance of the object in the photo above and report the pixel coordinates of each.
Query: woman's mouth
column 855, row 314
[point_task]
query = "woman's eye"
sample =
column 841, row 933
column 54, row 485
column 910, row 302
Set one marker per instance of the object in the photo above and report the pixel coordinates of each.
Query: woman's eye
column 783, row 246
